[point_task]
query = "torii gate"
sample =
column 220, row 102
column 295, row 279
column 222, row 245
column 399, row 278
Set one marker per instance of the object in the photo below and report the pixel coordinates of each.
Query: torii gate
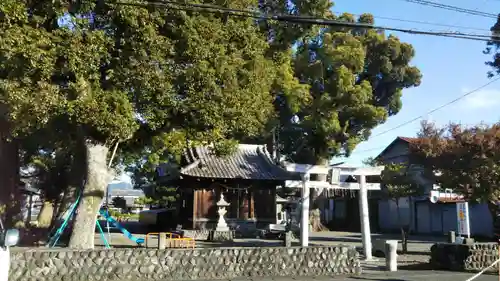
column 335, row 172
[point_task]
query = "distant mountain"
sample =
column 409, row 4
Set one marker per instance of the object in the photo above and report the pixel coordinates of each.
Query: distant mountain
column 123, row 189
column 120, row 185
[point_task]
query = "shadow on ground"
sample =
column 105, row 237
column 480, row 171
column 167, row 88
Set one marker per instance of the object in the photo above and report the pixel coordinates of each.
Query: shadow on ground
column 355, row 238
column 416, row 267
column 376, row 278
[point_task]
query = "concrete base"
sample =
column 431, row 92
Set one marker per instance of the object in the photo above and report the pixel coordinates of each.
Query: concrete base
column 216, row 235
column 391, row 255
column 287, row 239
column 452, row 237
column 162, row 241
column 469, row 241
column 379, row 247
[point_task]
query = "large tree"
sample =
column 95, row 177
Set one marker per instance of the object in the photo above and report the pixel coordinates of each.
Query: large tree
column 344, row 81
column 168, row 78
column 464, row 159
column 356, row 79
column 143, row 153
column 117, row 73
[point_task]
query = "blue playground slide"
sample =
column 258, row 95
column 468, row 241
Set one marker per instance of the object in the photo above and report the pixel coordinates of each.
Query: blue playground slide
column 125, row 232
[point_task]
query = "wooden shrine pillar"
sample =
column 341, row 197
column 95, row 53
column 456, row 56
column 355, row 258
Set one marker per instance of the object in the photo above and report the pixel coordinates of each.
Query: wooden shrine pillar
column 251, row 206
column 195, row 208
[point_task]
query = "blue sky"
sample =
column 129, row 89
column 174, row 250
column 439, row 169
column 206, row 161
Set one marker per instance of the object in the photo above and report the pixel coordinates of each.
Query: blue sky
column 450, row 67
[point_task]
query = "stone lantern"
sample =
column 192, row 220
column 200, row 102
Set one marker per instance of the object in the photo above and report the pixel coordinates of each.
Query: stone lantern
column 221, row 231
column 221, row 210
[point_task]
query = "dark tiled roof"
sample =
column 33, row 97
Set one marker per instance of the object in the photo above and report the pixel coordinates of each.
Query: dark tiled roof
column 409, row 140
column 395, row 141
column 248, row 162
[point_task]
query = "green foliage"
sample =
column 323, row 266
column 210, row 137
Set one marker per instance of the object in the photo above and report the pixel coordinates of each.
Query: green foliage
column 340, row 83
column 492, row 49
column 162, row 196
column 144, row 201
column 57, row 74
column 165, row 195
column 160, row 80
column 398, row 182
column 355, row 79
column 464, row 159
column 371, row 162
column 123, row 216
column 117, row 72
column 49, row 156
column 230, row 75
column 114, row 213
column 119, row 202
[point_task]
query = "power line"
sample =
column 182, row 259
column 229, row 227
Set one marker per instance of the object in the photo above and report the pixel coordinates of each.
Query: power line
column 429, row 112
column 307, row 20
column 425, row 22
column 382, row 147
column 368, row 150
column 328, row 22
column 453, row 8
column 439, row 107
column 408, row 122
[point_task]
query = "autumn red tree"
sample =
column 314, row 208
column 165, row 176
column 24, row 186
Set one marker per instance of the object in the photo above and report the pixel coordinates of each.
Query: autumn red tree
column 464, row 159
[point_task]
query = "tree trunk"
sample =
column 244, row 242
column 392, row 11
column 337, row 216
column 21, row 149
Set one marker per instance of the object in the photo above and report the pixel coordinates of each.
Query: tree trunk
column 404, row 241
column 315, row 212
column 97, row 178
column 76, row 176
column 10, row 193
column 46, row 214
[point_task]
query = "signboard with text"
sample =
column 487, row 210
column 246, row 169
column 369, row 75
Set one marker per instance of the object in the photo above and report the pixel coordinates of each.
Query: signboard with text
column 463, row 223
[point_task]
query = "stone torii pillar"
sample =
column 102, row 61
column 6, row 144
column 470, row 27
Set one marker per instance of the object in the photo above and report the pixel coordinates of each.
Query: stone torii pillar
column 305, row 184
column 305, row 170
column 364, row 215
column 365, row 218
column 362, row 186
column 304, row 221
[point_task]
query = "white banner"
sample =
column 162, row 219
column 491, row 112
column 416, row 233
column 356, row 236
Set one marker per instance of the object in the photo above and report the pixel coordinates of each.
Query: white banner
column 463, row 223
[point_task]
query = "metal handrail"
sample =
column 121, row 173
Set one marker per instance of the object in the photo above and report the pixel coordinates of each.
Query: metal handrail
column 191, row 243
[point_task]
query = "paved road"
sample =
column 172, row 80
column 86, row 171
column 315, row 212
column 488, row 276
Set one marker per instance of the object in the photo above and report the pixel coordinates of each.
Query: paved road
column 397, row 276
column 417, row 244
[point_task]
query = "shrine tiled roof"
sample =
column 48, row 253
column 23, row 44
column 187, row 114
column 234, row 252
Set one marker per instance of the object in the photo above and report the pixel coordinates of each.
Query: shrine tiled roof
column 247, row 162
